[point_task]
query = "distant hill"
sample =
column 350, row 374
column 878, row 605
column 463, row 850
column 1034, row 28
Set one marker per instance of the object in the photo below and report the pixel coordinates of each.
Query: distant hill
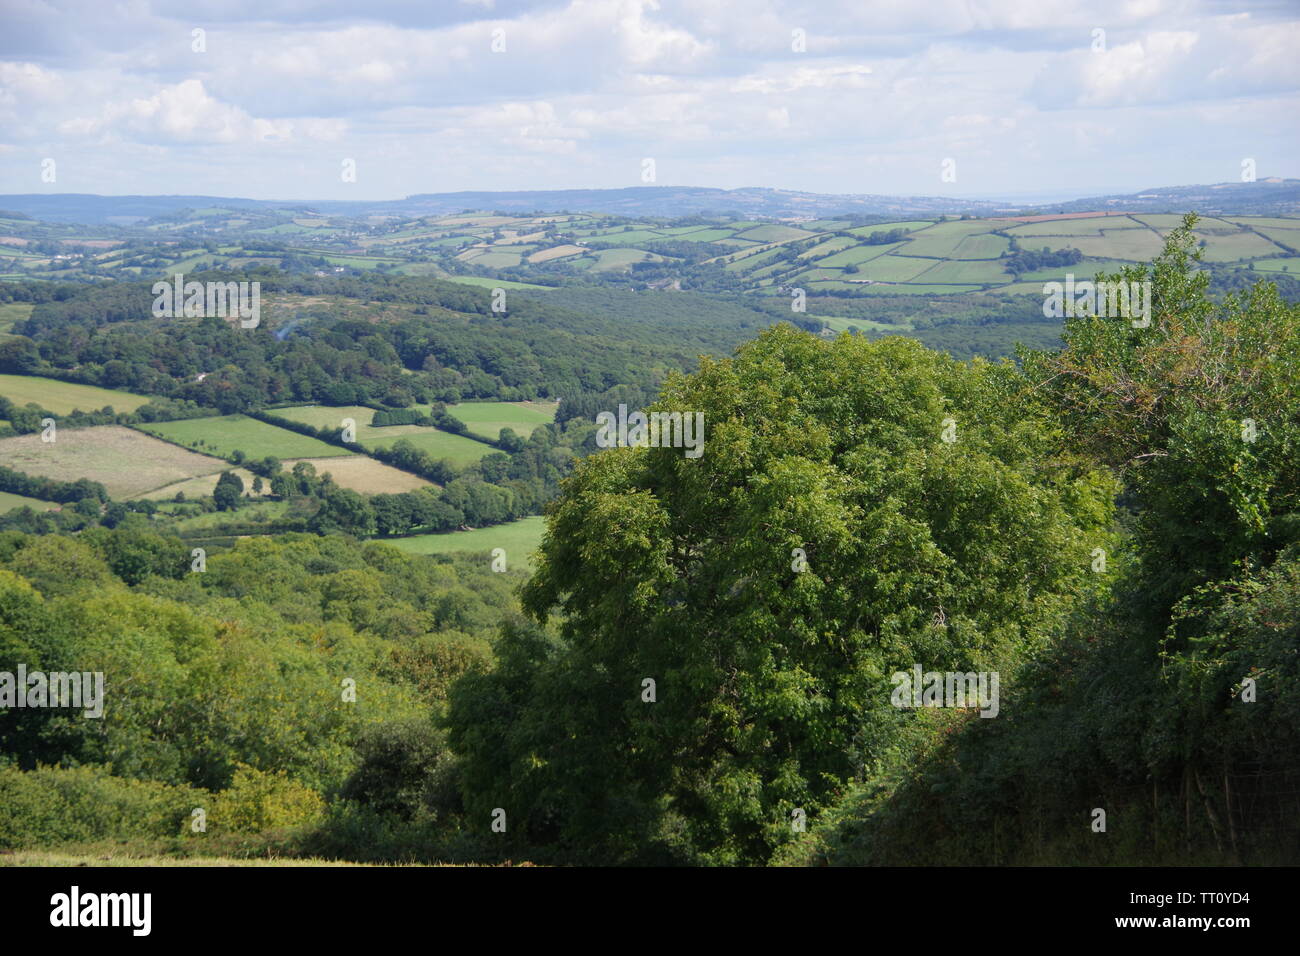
column 1265, row 197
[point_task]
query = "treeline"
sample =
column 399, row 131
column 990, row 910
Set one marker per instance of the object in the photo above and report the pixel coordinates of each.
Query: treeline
column 434, row 342
column 1027, row 260
column 50, row 489
column 27, row 419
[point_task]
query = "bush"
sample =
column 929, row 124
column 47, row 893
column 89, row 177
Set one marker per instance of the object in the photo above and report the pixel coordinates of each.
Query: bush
column 50, row 807
column 257, row 801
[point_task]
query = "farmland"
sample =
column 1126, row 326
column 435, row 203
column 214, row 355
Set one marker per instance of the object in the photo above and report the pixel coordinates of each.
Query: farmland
column 488, row 418
column 440, row 444
column 518, row 538
column 223, row 435
column 9, row 501
column 841, row 256
column 125, row 461
column 365, row 475
column 63, row 398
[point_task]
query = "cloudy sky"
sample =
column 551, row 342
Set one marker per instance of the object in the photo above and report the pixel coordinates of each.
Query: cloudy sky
column 1040, row 98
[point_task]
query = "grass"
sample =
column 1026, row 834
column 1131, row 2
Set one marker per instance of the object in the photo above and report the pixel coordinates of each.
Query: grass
column 202, row 486
column 856, row 255
column 1135, row 245
column 439, row 444
column 839, row 323
column 62, row 398
column 1028, row 233
column 9, row 501
column 12, row 312
column 109, row 858
column 1290, row 264
column 773, row 233
column 369, row 477
column 1238, row 245
column 488, row 418
column 125, row 461
column 958, row 271
column 486, row 283
column 519, row 539
column 251, row 512
column 893, row 268
column 226, row 434
column 910, row 225
column 555, row 252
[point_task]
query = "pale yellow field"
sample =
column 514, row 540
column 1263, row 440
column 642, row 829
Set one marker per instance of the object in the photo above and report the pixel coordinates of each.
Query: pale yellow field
column 125, row 461
column 203, row 486
column 559, row 252
column 363, row 474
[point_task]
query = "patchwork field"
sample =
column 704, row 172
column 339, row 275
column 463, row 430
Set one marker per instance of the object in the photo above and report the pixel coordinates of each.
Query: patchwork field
column 439, row 444
column 225, row 434
column 127, row 462
column 62, row 398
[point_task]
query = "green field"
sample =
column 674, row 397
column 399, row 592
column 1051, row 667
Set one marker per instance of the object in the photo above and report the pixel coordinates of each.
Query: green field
column 12, row 312
column 9, row 501
column 894, row 268
column 62, row 398
column 519, row 539
column 910, row 225
column 439, row 444
column 856, row 255
column 224, row 435
column 488, row 418
column 773, row 234
column 486, row 283
column 1058, row 228
column 958, row 271
column 1289, row 264
column 839, row 323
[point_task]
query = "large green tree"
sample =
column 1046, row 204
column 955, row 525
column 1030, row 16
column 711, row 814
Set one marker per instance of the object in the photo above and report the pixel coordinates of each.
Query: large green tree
column 858, row 508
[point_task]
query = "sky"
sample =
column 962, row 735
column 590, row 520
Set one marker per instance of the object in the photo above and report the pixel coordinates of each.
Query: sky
column 290, row 99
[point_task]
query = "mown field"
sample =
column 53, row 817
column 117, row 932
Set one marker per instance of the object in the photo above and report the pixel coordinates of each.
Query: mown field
column 456, row 448
column 223, row 435
column 488, row 418
column 10, row 501
column 519, row 539
column 63, row 398
column 365, row 475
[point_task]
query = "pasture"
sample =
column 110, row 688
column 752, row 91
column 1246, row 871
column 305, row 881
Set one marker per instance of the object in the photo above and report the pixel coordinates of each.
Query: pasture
column 9, row 501
column 519, row 539
column 127, row 462
column 488, row 418
column 63, row 398
column 439, row 444
column 225, row 434
column 365, row 475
